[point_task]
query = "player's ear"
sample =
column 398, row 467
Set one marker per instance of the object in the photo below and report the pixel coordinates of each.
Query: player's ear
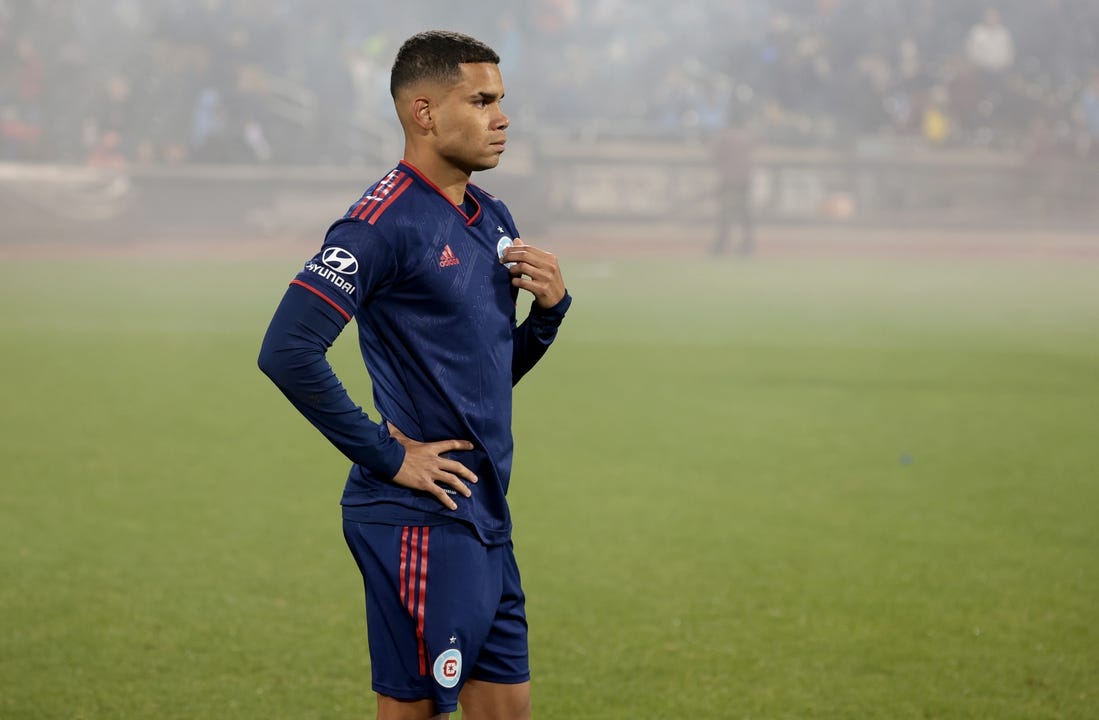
column 421, row 112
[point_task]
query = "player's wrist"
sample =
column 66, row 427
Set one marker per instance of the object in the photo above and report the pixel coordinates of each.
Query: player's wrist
column 552, row 307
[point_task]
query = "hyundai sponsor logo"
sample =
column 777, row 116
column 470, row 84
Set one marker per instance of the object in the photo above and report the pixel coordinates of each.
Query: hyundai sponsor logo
column 331, row 276
column 340, row 260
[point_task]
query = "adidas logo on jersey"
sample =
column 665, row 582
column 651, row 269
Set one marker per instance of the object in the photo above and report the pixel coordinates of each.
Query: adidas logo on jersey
column 448, row 258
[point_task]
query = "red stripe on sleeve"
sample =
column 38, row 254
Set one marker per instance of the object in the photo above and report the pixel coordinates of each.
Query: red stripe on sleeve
column 324, row 297
column 373, row 215
column 376, row 194
column 359, row 207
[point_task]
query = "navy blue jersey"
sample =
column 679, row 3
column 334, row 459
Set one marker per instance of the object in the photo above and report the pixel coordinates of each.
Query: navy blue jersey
column 436, row 315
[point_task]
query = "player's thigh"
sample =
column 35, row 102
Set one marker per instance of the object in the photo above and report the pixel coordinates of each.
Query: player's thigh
column 432, row 597
column 483, row 700
column 504, row 657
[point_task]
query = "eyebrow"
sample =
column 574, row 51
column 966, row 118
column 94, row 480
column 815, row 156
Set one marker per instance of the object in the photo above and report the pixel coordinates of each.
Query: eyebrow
column 486, row 96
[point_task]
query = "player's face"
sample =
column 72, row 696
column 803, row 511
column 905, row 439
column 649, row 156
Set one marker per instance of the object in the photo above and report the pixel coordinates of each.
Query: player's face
column 470, row 127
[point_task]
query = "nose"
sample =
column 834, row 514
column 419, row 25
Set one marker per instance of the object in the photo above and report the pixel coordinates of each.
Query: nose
column 502, row 121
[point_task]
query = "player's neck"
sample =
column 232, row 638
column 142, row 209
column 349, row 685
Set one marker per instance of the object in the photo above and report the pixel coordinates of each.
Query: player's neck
column 450, row 180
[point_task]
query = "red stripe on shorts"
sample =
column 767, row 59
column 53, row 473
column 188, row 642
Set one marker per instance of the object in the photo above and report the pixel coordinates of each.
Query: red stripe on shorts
column 423, row 601
column 413, row 580
column 404, row 563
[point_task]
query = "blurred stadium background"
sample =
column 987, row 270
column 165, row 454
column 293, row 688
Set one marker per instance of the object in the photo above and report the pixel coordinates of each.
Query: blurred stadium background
column 963, row 114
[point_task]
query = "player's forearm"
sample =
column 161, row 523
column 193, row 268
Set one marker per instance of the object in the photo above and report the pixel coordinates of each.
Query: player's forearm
column 532, row 338
column 293, row 356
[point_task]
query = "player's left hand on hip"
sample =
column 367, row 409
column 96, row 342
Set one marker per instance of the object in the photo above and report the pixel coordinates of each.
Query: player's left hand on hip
column 535, row 271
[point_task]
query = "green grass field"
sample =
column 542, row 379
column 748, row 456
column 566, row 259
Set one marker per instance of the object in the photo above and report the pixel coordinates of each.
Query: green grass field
column 782, row 489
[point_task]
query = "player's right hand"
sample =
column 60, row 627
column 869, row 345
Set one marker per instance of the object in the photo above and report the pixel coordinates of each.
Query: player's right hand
column 424, row 467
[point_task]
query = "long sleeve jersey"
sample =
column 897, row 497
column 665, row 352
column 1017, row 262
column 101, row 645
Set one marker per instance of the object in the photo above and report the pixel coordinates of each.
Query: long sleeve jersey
column 436, row 315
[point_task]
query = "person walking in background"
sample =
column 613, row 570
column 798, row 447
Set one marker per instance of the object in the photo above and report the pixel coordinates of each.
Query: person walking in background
column 990, row 47
column 430, row 266
column 734, row 157
column 1088, row 105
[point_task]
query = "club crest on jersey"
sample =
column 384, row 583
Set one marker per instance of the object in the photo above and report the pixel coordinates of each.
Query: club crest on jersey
column 448, row 667
column 503, row 244
column 340, row 260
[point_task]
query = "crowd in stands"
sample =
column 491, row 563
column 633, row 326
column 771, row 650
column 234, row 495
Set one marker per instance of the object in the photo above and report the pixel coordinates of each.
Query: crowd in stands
column 289, row 81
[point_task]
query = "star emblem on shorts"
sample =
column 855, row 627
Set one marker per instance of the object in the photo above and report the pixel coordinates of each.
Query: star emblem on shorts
column 453, row 640
column 499, row 229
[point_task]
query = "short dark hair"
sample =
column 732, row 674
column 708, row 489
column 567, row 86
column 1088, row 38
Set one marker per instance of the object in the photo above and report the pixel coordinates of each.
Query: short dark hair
column 436, row 55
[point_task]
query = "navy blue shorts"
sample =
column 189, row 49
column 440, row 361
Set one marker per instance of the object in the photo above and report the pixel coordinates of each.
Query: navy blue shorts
column 440, row 608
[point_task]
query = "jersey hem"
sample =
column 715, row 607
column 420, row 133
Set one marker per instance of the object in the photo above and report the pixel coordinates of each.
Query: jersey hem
column 389, row 513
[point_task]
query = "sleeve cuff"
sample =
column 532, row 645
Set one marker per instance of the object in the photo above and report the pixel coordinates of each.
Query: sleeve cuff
column 386, row 458
column 555, row 313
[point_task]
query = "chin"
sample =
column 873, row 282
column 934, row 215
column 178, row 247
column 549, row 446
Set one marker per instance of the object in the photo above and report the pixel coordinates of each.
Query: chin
column 486, row 164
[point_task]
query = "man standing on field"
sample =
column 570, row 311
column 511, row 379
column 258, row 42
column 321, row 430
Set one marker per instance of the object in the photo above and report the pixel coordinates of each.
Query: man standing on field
column 430, row 266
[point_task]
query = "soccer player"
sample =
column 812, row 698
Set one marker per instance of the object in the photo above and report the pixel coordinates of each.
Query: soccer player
column 431, row 267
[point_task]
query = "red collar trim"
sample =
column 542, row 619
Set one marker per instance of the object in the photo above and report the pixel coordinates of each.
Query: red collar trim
column 470, row 219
